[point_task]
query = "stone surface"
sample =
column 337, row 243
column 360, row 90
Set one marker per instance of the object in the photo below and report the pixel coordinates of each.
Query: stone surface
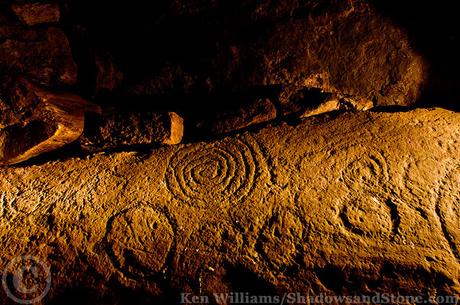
column 36, row 121
column 37, row 13
column 355, row 204
column 256, row 112
column 43, row 55
column 119, row 129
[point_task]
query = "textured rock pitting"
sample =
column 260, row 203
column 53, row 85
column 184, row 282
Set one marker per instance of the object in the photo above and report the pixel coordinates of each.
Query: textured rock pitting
column 333, row 205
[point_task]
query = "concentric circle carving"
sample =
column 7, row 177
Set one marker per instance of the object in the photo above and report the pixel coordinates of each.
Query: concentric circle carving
column 225, row 171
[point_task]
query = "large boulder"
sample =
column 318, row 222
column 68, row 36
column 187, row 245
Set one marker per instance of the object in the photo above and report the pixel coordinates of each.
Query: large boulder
column 360, row 204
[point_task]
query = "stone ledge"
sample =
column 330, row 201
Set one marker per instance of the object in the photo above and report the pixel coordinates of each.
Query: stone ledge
column 357, row 204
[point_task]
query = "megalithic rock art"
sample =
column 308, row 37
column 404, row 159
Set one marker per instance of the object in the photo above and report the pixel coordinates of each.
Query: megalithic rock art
column 356, row 204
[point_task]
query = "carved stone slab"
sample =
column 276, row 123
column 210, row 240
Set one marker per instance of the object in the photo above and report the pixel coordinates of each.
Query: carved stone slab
column 357, row 204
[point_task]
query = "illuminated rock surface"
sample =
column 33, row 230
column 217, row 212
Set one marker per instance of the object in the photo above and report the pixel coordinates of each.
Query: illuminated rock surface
column 354, row 204
column 35, row 121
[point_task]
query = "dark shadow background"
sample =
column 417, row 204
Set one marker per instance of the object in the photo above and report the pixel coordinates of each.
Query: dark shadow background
column 142, row 35
column 434, row 31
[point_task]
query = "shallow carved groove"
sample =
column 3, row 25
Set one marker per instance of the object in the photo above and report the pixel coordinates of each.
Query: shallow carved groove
column 227, row 169
column 366, row 172
column 448, row 210
column 367, row 216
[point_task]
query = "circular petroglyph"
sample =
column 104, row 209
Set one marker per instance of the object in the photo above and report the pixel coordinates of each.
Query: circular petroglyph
column 224, row 171
column 367, row 216
column 280, row 240
column 366, row 172
column 448, row 210
column 140, row 241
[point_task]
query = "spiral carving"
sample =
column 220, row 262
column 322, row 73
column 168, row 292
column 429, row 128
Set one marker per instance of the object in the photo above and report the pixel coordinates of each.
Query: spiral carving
column 225, row 171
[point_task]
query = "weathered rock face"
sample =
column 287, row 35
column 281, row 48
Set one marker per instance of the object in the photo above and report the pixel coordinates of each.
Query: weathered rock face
column 117, row 130
column 17, row 101
column 433, row 33
column 35, row 120
column 179, row 56
column 357, row 204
